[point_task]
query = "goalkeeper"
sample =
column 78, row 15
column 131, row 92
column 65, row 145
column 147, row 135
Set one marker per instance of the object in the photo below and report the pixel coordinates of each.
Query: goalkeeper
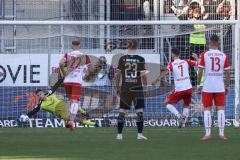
column 51, row 103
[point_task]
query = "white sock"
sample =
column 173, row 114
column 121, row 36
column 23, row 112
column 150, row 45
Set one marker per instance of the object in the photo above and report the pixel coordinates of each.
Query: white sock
column 140, row 134
column 221, row 122
column 186, row 113
column 173, row 110
column 207, row 122
column 73, row 110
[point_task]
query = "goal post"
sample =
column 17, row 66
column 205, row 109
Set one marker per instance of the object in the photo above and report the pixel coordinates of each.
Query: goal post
column 30, row 57
column 237, row 72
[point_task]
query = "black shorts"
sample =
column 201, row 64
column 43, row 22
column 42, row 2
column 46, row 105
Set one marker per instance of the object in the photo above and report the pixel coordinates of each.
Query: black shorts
column 131, row 97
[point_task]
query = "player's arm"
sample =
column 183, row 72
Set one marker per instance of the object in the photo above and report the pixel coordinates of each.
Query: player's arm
column 62, row 64
column 25, row 117
column 90, row 69
column 199, row 76
column 200, row 70
column 55, row 87
column 227, row 81
column 144, row 79
column 117, row 77
column 195, row 56
column 117, row 80
column 227, row 74
column 34, row 111
column 143, row 72
column 163, row 74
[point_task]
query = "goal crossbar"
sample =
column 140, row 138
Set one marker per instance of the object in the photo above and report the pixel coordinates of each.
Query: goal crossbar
column 165, row 22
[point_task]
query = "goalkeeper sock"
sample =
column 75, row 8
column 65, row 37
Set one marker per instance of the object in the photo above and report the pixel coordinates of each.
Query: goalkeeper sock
column 173, row 110
column 88, row 122
column 221, row 122
column 186, row 113
column 140, row 122
column 207, row 122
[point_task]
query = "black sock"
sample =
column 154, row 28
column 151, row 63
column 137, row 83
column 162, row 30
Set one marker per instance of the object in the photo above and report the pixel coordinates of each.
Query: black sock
column 140, row 122
column 140, row 126
column 120, row 122
column 120, row 125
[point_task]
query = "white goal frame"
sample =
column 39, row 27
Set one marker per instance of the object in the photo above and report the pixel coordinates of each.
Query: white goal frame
column 236, row 23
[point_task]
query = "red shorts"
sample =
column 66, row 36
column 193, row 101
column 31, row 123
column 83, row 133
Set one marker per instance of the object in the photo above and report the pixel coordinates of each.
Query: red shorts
column 218, row 98
column 175, row 97
column 73, row 90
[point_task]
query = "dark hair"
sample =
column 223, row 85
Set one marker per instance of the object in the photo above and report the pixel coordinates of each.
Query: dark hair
column 214, row 38
column 133, row 44
column 176, row 51
column 76, row 43
column 37, row 91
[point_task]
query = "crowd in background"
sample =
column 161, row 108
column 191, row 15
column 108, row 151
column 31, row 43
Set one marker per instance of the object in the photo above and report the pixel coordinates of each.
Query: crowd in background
column 208, row 9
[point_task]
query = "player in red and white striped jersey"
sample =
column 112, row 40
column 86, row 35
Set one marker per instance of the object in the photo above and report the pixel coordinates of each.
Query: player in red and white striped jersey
column 78, row 66
column 183, row 86
column 214, row 63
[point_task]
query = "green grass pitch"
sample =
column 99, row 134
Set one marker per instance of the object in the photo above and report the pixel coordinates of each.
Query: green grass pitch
column 100, row 144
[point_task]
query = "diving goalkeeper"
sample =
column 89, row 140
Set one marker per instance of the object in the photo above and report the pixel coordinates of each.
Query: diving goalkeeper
column 49, row 102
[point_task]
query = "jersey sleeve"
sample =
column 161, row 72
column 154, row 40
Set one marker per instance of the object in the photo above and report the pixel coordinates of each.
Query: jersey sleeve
column 142, row 64
column 202, row 61
column 120, row 62
column 191, row 63
column 169, row 66
column 227, row 64
column 34, row 111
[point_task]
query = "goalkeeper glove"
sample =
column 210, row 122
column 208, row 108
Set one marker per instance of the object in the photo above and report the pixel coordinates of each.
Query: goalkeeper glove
column 24, row 118
column 49, row 92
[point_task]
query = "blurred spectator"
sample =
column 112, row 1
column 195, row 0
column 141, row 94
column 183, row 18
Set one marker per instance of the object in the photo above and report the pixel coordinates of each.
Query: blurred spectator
column 211, row 7
column 101, row 98
column 184, row 10
column 181, row 10
column 103, row 72
column 219, row 9
column 224, row 10
column 146, row 10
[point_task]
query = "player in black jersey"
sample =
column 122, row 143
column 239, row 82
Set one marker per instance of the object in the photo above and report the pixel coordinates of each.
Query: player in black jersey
column 131, row 69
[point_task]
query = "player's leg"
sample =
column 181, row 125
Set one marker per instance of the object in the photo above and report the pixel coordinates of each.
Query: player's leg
column 125, row 104
column 120, row 121
column 85, row 121
column 187, row 100
column 73, row 102
column 61, row 111
column 219, row 99
column 140, row 121
column 139, row 107
column 207, row 99
column 75, row 97
column 172, row 98
column 84, row 118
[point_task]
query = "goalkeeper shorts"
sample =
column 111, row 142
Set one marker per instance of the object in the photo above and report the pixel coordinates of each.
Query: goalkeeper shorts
column 61, row 110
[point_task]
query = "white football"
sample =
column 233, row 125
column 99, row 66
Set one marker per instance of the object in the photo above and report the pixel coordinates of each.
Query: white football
column 23, row 118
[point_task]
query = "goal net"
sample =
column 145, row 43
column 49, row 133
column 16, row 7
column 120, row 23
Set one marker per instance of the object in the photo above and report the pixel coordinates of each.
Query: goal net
column 31, row 51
